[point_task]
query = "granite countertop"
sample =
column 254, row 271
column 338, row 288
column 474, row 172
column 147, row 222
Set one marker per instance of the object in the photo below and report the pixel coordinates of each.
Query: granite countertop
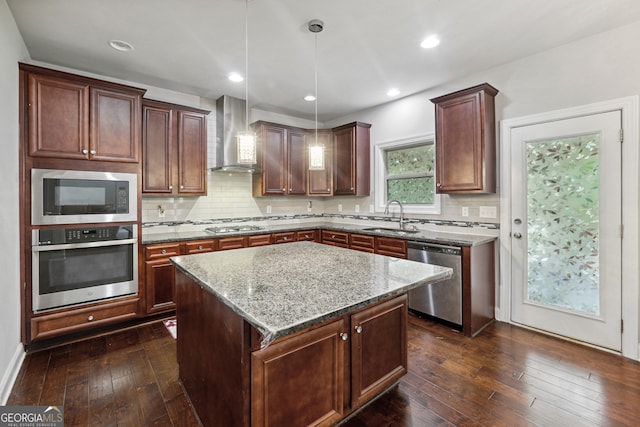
column 282, row 289
column 459, row 239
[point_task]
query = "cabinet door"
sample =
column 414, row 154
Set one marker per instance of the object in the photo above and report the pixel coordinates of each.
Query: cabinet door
column 58, row 117
column 258, row 240
column 297, row 162
column 231, row 243
column 160, row 285
column 192, row 157
column 157, row 149
column 284, row 237
column 306, row 235
column 465, row 141
column 344, row 182
column 115, row 126
column 273, row 152
column 321, row 181
column 391, row 247
column 378, row 348
column 300, row 381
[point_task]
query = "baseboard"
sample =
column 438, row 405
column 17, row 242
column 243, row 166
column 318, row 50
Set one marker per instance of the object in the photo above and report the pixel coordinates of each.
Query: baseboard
column 11, row 374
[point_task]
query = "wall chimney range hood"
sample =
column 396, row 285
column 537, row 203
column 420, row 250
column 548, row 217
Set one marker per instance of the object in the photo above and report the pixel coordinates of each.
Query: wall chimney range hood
column 230, row 119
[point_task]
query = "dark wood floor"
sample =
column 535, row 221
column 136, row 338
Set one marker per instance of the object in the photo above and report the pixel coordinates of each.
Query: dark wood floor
column 507, row 376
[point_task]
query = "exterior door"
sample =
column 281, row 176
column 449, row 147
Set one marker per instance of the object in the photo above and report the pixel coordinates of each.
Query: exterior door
column 566, row 228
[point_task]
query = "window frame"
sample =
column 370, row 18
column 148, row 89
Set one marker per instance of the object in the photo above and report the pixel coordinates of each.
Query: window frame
column 380, row 181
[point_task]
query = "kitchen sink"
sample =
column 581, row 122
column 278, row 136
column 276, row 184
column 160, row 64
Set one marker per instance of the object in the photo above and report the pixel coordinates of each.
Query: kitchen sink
column 391, row 230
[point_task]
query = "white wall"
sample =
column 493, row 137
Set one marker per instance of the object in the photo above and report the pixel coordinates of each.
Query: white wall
column 12, row 50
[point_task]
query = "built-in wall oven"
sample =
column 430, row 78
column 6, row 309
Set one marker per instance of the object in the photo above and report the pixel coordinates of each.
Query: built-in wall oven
column 81, row 264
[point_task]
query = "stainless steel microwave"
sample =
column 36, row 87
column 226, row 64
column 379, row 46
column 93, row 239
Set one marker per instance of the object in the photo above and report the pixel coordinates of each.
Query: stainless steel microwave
column 82, row 197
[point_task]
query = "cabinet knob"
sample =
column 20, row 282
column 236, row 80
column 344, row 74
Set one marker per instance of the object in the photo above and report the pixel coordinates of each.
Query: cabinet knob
column 517, row 235
column 171, row 187
column 328, row 189
column 344, row 336
column 164, row 251
column 438, row 185
column 284, row 189
column 182, row 187
column 85, row 151
column 333, row 236
column 92, row 151
column 200, row 247
column 286, row 238
column 351, row 188
column 90, row 318
column 358, row 329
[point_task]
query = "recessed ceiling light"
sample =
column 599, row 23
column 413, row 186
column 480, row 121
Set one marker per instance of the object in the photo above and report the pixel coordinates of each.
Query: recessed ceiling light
column 430, row 42
column 120, row 45
column 235, row 77
column 393, row 92
column 309, row 98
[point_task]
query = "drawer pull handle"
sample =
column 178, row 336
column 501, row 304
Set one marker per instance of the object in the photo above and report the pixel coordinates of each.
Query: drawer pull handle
column 164, row 251
column 90, row 318
column 85, row 151
column 344, row 336
column 358, row 329
column 200, row 247
column 92, row 151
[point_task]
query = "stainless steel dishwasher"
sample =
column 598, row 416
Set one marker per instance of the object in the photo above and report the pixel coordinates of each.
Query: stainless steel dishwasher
column 442, row 300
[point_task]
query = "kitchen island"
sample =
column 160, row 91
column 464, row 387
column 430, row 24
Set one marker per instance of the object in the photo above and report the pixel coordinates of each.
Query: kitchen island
column 295, row 334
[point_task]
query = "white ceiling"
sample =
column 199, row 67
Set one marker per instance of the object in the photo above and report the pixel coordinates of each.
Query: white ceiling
column 367, row 46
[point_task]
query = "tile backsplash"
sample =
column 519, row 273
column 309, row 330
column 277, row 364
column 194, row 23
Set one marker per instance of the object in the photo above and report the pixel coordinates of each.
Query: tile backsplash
column 230, row 196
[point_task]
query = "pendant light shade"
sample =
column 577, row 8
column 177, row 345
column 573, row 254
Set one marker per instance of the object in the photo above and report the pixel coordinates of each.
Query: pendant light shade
column 316, row 150
column 247, row 145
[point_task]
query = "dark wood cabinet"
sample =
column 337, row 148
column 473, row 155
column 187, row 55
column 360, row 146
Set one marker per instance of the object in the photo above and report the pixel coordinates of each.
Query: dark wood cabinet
column 391, row 247
column 321, row 181
column 174, row 149
column 259, row 240
column 362, row 242
column 335, row 238
column 282, row 159
column 75, row 117
column 465, row 141
column 351, row 165
column 284, row 237
column 160, row 277
column 312, row 362
column 378, row 348
column 307, row 235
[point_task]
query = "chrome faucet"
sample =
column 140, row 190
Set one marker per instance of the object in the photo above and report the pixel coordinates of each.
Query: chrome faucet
column 386, row 212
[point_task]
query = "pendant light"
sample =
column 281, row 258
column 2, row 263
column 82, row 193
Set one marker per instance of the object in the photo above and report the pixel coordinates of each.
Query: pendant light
column 316, row 150
column 247, row 146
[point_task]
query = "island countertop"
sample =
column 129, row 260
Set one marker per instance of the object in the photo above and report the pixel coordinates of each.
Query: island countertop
column 282, row 289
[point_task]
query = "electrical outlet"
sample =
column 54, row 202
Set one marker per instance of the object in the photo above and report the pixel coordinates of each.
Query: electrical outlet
column 371, row 209
column 340, row 208
column 488, row 212
column 309, row 206
column 268, row 209
column 357, row 208
column 465, row 211
column 160, row 211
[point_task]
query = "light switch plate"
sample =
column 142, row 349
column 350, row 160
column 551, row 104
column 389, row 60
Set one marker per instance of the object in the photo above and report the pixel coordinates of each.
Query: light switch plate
column 357, row 208
column 465, row 211
column 340, row 208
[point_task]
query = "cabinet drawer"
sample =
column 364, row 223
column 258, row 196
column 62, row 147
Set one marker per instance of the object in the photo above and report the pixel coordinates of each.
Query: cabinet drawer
column 162, row 250
column 287, row 237
column 259, row 240
column 200, row 246
column 391, row 247
column 309, row 235
column 336, row 238
column 362, row 242
column 55, row 324
column 231, row 243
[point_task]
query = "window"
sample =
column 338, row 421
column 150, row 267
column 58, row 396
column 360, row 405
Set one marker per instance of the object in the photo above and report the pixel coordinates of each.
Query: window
column 405, row 171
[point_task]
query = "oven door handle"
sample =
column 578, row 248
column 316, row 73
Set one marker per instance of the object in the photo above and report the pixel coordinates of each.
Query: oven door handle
column 48, row 248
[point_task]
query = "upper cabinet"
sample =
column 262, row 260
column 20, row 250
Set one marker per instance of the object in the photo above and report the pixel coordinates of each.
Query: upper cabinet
column 351, row 160
column 465, row 141
column 75, row 117
column 174, row 149
column 282, row 160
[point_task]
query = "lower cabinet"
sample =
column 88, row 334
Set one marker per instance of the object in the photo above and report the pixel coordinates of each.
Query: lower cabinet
column 80, row 319
column 339, row 367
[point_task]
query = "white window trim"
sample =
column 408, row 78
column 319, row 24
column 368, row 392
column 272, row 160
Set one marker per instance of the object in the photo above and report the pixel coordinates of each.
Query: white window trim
column 379, row 175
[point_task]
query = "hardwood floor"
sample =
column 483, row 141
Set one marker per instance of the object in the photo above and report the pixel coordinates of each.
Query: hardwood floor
column 506, row 376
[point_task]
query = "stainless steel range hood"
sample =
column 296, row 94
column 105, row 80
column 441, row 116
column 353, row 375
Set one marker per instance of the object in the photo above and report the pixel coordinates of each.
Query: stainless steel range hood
column 230, row 119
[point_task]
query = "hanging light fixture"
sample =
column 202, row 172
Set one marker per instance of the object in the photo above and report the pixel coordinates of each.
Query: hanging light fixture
column 247, row 145
column 316, row 150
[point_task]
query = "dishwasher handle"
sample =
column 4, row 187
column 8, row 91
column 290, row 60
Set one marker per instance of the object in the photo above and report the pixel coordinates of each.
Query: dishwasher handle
column 434, row 247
